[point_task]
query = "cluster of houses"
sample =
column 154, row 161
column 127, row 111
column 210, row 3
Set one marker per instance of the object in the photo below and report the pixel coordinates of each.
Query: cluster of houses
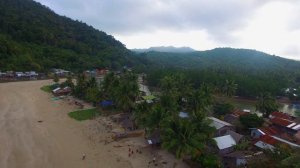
column 280, row 128
column 29, row 75
column 60, row 72
column 98, row 74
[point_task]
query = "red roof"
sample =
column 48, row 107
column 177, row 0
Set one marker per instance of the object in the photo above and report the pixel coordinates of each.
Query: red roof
column 281, row 121
column 280, row 115
column 238, row 112
column 268, row 139
column 269, row 130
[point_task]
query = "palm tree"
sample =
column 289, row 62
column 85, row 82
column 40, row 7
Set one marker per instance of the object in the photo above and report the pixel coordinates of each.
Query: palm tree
column 80, row 88
column 141, row 112
column 266, row 104
column 229, row 88
column 126, row 92
column 156, row 118
column 201, row 99
column 183, row 138
column 109, row 85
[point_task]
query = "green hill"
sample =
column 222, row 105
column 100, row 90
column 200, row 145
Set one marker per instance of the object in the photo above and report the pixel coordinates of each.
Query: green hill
column 33, row 37
column 221, row 58
column 254, row 72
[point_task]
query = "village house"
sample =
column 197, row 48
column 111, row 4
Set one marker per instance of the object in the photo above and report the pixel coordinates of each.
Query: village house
column 97, row 73
column 2, row 74
column 267, row 137
column 258, row 132
column 62, row 91
column 240, row 158
column 221, row 126
column 281, row 115
column 238, row 138
column 266, row 142
column 233, row 118
column 225, row 144
column 61, row 72
column 286, row 126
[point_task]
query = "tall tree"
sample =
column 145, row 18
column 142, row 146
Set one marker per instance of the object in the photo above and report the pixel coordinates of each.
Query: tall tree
column 92, row 95
column 201, row 99
column 81, row 86
column 229, row 88
column 127, row 91
column 251, row 121
column 266, row 104
column 109, row 86
column 182, row 137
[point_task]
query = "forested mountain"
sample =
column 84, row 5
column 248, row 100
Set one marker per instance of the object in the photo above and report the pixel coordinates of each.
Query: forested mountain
column 220, row 58
column 33, row 37
column 169, row 49
column 254, row 72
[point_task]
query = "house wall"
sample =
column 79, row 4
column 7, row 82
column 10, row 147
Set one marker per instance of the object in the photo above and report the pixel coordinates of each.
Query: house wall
column 226, row 150
column 241, row 161
column 255, row 133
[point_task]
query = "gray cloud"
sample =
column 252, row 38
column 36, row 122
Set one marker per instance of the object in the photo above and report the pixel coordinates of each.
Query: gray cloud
column 224, row 22
column 218, row 18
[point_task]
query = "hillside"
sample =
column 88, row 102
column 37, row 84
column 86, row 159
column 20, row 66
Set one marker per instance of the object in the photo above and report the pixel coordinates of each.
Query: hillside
column 254, row 72
column 32, row 37
column 221, row 58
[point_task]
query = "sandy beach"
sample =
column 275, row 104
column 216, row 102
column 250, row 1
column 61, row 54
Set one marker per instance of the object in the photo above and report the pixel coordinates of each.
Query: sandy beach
column 36, row 132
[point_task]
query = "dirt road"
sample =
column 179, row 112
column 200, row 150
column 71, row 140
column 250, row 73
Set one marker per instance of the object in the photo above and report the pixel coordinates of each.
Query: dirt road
column 56, row 142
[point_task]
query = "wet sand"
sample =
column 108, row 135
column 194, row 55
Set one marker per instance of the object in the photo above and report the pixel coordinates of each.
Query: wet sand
column 57, row 141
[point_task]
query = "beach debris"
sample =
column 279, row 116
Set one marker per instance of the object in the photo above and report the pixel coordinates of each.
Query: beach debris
column 40, row 121
column 83, row 156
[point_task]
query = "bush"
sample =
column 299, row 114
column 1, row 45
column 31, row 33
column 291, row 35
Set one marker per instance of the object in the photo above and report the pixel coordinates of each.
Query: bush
column 251, row 121
column 223, row 108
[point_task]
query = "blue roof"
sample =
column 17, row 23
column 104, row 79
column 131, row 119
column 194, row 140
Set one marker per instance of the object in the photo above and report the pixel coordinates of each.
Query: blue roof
column 106, row 103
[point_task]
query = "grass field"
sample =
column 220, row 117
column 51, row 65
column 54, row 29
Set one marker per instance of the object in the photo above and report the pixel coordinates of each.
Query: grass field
column 46, row 88
column 82, row 115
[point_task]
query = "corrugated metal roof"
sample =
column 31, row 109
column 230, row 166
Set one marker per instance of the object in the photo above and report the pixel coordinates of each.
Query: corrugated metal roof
column 224, row 142
column 236, row 136
column 263, row 145
column 285, row 141
column 280, row 115
column 281, row 121
column 269, row 130
column 297, row 127
column 291, row 125
column 218, row 123
column 268, row 139
column 55, row 90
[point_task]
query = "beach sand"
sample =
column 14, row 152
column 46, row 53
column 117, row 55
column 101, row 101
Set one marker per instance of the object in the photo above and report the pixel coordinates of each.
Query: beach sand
column 36, row 132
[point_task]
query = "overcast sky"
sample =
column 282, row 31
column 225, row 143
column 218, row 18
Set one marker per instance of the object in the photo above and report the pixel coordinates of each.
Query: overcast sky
column 272, row 26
